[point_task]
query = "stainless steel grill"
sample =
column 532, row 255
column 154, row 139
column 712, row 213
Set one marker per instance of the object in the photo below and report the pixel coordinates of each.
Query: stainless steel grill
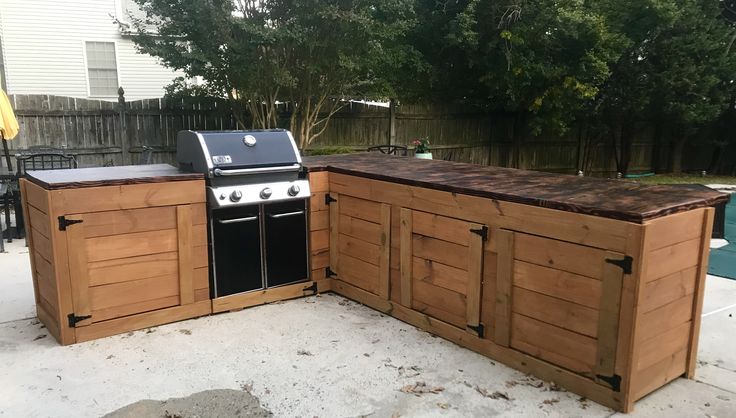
column 257, row 198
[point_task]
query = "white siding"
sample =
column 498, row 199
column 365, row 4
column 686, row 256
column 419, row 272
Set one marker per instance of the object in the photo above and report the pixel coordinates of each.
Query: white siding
column 43, row 47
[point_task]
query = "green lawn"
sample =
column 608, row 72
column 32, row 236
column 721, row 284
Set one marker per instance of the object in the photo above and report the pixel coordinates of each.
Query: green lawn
column 686, row 179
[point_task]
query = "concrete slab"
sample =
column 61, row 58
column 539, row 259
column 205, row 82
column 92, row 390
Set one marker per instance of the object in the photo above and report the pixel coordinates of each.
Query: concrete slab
column 16, row 286
column 720, row 293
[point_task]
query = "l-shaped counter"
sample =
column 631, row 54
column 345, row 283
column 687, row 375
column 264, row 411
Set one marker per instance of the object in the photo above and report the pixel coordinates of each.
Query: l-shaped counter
column 594, row 284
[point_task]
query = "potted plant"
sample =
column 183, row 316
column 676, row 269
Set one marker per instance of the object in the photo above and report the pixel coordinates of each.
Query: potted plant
column 421, row 148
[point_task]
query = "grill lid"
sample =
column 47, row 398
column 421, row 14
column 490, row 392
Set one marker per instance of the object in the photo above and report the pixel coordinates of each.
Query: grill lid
column 226, row 151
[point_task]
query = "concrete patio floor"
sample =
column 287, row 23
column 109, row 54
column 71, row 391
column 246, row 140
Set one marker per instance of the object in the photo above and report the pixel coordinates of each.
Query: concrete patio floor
column 320, row 356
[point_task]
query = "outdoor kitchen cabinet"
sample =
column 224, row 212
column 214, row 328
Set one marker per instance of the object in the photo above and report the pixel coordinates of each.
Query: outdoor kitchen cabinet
column 116, row 249
column 606, row 306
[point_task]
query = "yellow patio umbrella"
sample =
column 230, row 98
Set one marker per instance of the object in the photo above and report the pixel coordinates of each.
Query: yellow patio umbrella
column 8, row 125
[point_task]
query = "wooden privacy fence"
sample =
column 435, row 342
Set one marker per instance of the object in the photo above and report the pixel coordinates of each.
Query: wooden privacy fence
column 103, row 132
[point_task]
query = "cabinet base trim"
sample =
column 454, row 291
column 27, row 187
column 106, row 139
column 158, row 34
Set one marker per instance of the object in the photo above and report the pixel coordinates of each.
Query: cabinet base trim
column 260, row 297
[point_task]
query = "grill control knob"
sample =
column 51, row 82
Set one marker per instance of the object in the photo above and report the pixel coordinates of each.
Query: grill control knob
column 223, row 196
column 293, row 190
column 236, row 195
column 266, row 193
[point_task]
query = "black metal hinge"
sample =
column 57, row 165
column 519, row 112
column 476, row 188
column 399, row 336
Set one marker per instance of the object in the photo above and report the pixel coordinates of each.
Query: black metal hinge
column 329, row 199
column 614, row 381
column 480, row 329
column 73, row 319
column 625, row 264
column 329, row 273
column 312, row 288
column 482, row 231
column 64, row 222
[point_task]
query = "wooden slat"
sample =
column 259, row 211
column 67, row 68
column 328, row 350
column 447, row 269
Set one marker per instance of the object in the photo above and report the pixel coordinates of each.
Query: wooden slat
column 201, row 294
column 441, row 300
column 46, row 282
column 559, row 255
column 504, row 280
column 556, row 345
column 131, row 245
column 200, row 256
column 359, row 273
column 360, row 208
column 669, row 260
column 654, row 350
column 40, row 244
column 35, row 195
column 370, row 253
column 333, row 235
column 658, row 374
column 134, row 308
column 319, row 220
column 406, row 256
column 320, row 260
column 445, row 252
column 106, row 198
column 144, row 320
column 132, row 268
column 129, row 221
column 571, row 287
column 441, row 275
column 660, row 320
column 358, row 228
column 317, row 202
column 48, row 319
column 259, row 297
column 201, row 278
column 557, row 312
column 78, row 269
column 319, row 181
column 441, row 227
column 475, row 279
column 132, row 292
column 384, row 262
column 39, row 221
column 199, row 214
column 184, row 241
column 488, row 301
column 608, row 319
column 673, row 229
column 704, row 250
column 667, row 289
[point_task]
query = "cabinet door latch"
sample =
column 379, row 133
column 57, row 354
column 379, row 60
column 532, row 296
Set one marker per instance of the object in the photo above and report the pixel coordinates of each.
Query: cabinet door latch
column 479, row 329
column 482, row 231
column 64, row 222
column 626, row 263
column 74, row 319
column 329, row 199
column 329, row 273
column 310, row 290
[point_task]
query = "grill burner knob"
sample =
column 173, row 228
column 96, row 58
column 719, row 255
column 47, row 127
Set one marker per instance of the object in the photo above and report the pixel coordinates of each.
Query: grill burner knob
column 236, row 195
column 266, row 193
column 293, row 190
column 223, row 196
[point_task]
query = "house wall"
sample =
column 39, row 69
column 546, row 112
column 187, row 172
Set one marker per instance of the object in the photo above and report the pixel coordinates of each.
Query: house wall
column 44, row 52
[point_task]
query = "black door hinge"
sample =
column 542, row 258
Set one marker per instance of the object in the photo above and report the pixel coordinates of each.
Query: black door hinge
column 329, row 199
column 312, row 288
column 64, row 222
column 614, row 381
column 482, row 231
column 73, row 319
column 480, row 329
column 329, row 273
column 625, row 264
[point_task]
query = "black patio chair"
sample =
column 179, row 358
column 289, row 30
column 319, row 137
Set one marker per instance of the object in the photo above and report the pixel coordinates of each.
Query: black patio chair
column 146, row 155
column 390, row 149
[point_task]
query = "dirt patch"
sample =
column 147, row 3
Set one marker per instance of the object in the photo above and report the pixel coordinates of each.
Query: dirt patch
column 219, row 403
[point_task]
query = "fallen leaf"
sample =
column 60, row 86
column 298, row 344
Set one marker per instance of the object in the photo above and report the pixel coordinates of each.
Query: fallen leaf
column 550, row 401
column 420, row 388
column 39, row 337
column 493, row 395
column 185, row 331
column 302, row 352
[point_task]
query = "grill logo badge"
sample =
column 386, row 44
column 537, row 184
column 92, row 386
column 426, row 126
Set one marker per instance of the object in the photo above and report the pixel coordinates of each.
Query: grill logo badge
column 249, row 140
column 222, row 159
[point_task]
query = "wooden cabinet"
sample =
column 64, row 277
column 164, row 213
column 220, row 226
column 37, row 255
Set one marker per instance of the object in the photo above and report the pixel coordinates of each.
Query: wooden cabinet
column 110, row 259
column 609, row 309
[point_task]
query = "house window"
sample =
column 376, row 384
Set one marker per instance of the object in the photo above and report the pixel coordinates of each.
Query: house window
column 102, row 69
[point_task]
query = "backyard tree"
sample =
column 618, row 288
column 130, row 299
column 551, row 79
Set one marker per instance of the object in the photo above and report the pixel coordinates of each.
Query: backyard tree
column 312, row 55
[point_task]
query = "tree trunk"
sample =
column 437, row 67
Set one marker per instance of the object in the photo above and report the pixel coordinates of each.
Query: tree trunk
column 678, row 147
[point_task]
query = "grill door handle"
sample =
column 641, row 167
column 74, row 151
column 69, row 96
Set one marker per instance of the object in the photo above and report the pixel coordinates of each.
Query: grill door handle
column 237, row 172
column 237, row 220
column 284, row 215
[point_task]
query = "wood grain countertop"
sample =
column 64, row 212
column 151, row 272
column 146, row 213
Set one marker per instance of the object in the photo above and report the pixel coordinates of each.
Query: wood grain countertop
column 109, row 176
column 615, row 199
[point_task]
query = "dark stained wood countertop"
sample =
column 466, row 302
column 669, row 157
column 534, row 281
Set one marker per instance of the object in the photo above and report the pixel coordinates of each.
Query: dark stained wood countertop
column 615, row 199
column 109, row 176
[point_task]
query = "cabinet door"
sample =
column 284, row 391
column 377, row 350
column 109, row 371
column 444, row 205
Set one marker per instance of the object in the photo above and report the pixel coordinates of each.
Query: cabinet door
column 441, row 267
column 360, row 243
column 559, row 301
column 131, row 261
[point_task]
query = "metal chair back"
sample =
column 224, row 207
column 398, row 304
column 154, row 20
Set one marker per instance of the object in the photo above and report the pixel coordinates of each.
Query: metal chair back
column 44, row 161
column 145, row 156
column 389, row 149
